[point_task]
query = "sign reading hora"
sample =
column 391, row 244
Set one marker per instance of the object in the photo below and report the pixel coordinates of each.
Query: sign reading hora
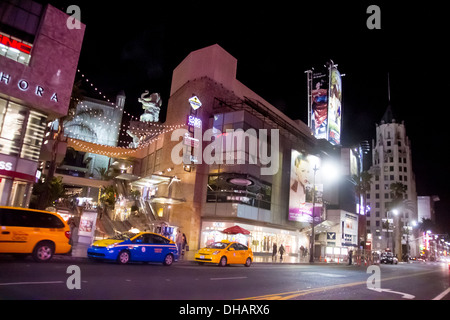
column 25, row 85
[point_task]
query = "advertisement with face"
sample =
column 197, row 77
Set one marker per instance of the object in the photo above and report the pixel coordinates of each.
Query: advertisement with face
column 319, row 106
column 334, row 110
column 301, row 188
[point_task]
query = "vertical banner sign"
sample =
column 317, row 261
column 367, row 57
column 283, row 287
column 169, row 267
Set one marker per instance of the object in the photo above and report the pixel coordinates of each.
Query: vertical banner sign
column 334, row 107
column 319, row 106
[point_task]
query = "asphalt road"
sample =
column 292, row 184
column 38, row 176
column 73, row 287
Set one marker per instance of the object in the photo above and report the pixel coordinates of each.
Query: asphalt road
column 189, row 281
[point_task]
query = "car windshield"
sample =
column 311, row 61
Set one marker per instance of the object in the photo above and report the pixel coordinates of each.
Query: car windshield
column 218, row 245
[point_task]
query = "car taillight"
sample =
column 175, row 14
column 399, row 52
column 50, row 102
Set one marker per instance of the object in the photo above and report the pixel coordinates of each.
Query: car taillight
column 67, row 233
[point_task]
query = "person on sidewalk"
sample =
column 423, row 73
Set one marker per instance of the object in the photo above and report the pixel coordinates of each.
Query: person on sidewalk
column 185, row 247
column 274, row 252
column 350, row 257
column 179, row 242
column 282, row 250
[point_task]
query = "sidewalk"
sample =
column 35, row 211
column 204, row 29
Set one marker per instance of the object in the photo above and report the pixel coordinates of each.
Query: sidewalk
column 79, row 251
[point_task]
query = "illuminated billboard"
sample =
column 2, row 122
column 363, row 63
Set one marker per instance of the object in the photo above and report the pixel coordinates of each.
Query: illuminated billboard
column 334, row 107
column 325, row 104
column 319, row 106
column 301, row 188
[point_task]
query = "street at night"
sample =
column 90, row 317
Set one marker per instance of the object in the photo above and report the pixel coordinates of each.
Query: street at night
column 224, row 153
column 189, row 281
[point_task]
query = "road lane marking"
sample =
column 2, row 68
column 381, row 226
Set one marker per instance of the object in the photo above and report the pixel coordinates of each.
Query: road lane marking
column 26, row 283
column 298, row 293
column 329, row 275
column 443, row 294
column 404, row 295
column 229, row 278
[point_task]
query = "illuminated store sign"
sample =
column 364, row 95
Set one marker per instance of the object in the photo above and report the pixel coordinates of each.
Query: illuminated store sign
column 24, row 85
column 194, row 122
column 195, row 102
column 6, row 165
column 15, row 44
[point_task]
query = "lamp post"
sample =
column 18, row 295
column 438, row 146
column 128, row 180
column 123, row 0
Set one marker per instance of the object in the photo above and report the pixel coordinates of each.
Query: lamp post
column 311, row 251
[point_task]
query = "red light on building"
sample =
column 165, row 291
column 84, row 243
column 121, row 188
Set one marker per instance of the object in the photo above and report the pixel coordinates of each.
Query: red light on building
column 15, row 44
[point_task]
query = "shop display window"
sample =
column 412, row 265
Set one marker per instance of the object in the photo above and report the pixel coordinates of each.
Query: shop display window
column 22, row 130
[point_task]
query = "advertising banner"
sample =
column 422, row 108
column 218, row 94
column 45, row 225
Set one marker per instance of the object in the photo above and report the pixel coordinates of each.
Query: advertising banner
column 319, row 106
column 334, row 107
column 302, row 182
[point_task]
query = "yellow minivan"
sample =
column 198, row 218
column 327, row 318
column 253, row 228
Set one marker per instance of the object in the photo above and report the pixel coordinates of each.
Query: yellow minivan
column 27, row 231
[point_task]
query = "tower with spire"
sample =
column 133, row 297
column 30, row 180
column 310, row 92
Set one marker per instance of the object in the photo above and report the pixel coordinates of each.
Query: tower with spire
column 391, row 163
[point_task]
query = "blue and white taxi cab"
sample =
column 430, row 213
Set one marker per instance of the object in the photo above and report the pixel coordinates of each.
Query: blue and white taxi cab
column 143, row 247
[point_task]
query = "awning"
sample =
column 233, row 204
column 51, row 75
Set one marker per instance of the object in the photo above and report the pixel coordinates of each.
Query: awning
column 235, row 230
column 150, row 180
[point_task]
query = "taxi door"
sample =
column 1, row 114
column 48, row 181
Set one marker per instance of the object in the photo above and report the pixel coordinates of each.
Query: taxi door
column 233, row 254
column 13, row 235
column 158, row 248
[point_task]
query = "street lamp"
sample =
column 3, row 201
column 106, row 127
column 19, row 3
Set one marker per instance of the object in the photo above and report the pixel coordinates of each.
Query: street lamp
column 330, row 172
column 311, row 251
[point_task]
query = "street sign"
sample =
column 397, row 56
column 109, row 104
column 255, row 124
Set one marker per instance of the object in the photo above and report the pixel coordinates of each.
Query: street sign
column 195, row 102
column 331, row 235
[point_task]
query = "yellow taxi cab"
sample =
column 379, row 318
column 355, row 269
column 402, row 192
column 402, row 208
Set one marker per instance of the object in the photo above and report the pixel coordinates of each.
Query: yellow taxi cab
column 27, row 231
column 225, row 252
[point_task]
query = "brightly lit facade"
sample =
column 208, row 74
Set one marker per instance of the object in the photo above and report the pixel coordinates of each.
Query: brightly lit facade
column 37, row 69
column 207, row 197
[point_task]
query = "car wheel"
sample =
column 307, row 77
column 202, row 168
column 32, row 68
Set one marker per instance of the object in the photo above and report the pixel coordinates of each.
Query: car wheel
column 43, row 251
column 223, row 261
column 123, row 257
column 248, row 262
column 168, row 260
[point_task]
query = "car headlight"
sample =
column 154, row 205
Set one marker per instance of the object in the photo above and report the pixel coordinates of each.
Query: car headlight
column 111, row 246
column 216, row 252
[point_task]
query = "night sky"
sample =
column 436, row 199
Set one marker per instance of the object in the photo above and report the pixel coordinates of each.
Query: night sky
column 135, row 45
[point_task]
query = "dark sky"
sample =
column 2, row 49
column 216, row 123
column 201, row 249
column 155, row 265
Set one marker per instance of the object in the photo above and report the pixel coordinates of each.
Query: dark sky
column 135, row 45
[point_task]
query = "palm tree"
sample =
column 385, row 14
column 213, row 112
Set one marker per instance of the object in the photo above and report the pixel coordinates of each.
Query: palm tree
column 427, row 224
column 362, row 182
column 398, row 191
column 58, row 136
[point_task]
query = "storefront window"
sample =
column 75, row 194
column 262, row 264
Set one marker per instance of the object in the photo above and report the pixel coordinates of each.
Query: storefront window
column 34, row 134
column 19, row 125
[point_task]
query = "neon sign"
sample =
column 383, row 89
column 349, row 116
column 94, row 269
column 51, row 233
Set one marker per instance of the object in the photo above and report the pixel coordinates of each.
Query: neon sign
column 194, row 122
column 15, row 44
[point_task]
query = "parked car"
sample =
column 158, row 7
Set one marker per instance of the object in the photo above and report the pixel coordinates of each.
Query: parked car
column 225, row 252
column 39, row 233
column 388, row 257
column 143, row 247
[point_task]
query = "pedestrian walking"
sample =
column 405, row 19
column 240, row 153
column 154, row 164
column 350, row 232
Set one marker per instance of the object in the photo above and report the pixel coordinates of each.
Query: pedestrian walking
column 179, row 242
column 350, row 257
column 184, row 244
column 274, row 252
column 281, row 252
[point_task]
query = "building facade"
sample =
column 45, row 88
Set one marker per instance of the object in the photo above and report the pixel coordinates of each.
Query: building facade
column 391, row 163
column 38, row 60
column 225, row 156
